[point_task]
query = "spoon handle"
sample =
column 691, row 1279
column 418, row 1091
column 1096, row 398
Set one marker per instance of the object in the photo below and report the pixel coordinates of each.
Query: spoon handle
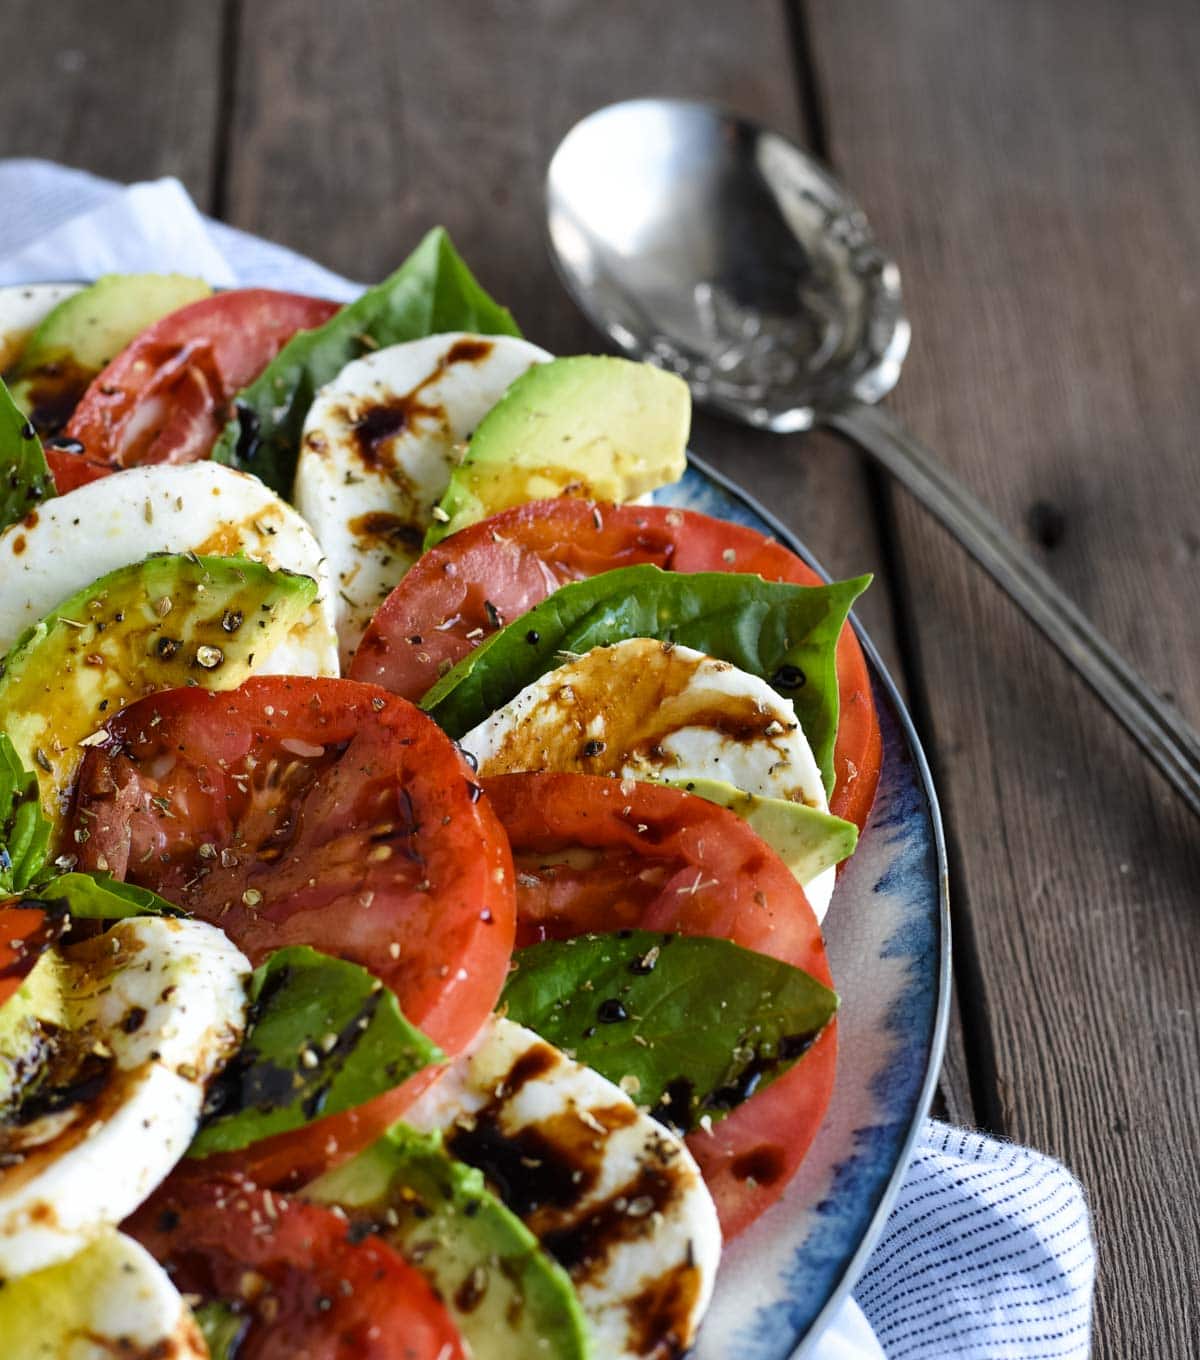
column 1160, row 729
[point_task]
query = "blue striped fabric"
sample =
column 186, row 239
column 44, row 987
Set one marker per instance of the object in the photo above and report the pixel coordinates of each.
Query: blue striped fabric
column 987, row 1256
column 988, row 1252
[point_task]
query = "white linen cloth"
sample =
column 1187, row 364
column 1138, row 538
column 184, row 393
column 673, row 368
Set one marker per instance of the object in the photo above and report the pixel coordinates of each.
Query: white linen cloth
column 987, row 1254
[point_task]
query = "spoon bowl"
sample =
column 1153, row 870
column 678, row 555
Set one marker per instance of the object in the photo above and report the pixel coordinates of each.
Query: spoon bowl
column 706, row 244
column 722, row 251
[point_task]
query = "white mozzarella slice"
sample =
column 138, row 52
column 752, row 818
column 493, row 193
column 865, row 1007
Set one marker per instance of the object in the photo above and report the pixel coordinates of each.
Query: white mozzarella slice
column 651, row 710
column 379, row 444
column 204, row 508
column 155, row 1007
column 639, row 1224
column 111, row 1299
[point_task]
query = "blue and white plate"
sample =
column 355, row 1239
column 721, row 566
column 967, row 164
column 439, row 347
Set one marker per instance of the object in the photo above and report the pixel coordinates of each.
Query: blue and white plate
column 888, row 936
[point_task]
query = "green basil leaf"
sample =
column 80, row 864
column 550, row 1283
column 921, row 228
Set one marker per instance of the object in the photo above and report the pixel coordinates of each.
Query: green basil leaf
column 687, row 1024
column 324, row 1036
column 100, row 897
column 785, row 634
column 25, row 479
column 431, row 292
column 221, row 1328
column 24, row 829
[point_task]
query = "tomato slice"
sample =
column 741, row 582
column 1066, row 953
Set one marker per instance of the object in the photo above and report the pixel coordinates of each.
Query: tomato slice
column 165, row 398
column 311, row 811
column 306, row 1285
column 26, row 932
column 493, row 572
column 599, row 854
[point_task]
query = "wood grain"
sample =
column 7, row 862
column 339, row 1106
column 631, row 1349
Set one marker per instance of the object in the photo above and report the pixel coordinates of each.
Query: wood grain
column 129, row 91
column 1036, row 171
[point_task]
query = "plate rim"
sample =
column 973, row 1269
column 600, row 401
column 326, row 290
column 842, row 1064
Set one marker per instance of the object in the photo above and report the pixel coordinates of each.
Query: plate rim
column 880, row 673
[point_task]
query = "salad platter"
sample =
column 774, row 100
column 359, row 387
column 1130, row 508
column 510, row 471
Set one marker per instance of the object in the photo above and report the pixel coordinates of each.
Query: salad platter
column 215, row 507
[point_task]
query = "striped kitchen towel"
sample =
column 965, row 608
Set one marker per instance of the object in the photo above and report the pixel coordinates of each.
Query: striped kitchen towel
column 987, row 1254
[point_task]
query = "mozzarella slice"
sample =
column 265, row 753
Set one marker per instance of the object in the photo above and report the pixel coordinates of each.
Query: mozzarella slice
column 112, row 1299
column 204, row 508
column 609, row 1191
column 644, row 709
column 379, row 445
column 155, row 1007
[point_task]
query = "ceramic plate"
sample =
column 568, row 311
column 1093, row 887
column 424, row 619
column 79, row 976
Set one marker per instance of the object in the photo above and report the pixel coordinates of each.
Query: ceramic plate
column 889, row 947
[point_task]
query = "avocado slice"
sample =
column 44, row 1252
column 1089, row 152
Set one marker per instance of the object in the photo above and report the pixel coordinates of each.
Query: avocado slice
column 591, row 425
column 79, row 337
column 29, row 1019
column 808, row 840
column 168, row 621
column 507, row 1297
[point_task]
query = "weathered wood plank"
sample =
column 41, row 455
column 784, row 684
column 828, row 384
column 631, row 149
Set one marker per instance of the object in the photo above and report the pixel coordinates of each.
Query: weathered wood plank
column 349, row 140
column 129, row 91
column 1034, row 169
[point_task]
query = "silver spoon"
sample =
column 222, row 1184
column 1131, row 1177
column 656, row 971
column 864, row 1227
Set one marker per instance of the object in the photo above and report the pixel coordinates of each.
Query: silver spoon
column 712, row 246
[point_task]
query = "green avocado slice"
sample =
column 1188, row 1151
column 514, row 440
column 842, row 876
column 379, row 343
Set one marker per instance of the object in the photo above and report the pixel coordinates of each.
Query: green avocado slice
column 808, row 840
column 589, row 425
column 507, row 1297
column 171, row 620
column 79, row 337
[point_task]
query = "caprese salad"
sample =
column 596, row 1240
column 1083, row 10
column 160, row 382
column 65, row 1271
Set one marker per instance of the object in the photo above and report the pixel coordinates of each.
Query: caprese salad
column 412, row 841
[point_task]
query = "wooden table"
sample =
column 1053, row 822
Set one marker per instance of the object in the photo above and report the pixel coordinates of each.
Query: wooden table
column 1035, row 168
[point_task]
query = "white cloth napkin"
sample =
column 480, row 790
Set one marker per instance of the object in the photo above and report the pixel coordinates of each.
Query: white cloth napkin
column 988, row 1253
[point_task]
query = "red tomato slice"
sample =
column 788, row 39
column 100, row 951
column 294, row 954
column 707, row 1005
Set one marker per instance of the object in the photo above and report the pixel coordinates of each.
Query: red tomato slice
column 649, row 857
column 26, row 932
column 165, row 398
column 307, row 1287
column 320, row 812
column 493, row 572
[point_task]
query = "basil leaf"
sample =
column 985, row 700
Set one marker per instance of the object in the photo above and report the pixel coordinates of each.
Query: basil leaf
column 324, row 1036
column 25, row 479
column 785, row 634
column 24, row 829
column 431, row 292
column 221, row 1328
column 100, row 897
column 687, row 1024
